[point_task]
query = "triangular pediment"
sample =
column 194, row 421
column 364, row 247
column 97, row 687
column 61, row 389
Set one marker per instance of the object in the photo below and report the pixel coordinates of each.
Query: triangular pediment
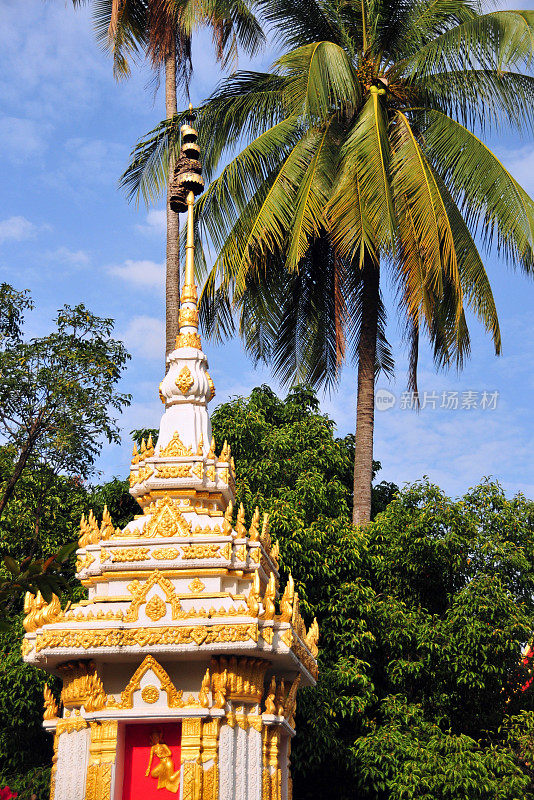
column 150, row 665
column 140, row 591
column 166, row 521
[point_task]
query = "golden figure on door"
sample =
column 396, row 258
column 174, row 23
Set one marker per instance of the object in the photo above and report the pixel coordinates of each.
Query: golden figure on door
column 165, row 773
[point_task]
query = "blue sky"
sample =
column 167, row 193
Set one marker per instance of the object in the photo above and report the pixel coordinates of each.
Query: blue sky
column 68, row 235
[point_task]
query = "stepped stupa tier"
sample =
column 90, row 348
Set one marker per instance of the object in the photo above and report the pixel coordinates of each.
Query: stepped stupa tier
column 181, row 667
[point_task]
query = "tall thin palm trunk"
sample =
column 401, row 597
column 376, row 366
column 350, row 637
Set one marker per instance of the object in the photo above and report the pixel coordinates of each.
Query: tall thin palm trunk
column 365, row 412
column 172, row 283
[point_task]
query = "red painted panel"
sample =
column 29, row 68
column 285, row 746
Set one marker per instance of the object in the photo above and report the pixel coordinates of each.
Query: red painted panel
column 164, row 740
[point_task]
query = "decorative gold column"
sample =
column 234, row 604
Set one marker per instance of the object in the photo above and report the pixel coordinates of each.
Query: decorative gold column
column 272, row 771
column 210, row 752
column 102, row 754
column 191, row 759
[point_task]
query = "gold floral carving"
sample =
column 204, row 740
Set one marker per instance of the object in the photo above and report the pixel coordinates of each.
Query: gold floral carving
column 189, row 294
column 198, row 470
column 199, row 551
column 287, row 637
column 84, row 562
column 210, row 782
column 188, row 317
column 140, row 592
column 196, row 586
column 244, row 677
column 26, row 648
column 146, row 637
column 188, row 340
column 185, row 380
column 51, row 709
column 241, row 553
column 301, row 652
column 82, row 686
column 174, row 471
column 223, row 475
column 150, row 694
column 175, row 449
column 71, row 724
column 167, row 521
column 38, row 612
column 211, row 385
column 165, row 553
column 210, row 473
column 120, row 555
column 155, row 609
column 268, row 635
column 174, row 698
column 255, row 554
column 312, row 638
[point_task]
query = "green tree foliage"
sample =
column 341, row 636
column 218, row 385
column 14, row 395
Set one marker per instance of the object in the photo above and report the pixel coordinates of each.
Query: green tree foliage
column 57, row 397
column 423, row 617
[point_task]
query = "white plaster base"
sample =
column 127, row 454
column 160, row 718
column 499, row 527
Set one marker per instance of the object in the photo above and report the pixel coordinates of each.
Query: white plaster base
column 72, row 757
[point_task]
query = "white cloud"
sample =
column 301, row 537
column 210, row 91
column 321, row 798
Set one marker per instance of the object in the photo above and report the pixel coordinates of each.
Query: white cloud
column 16, row 229
column 156, row 223
column 73, row 258
column 520, row 162
column 140, row 273
column 145, row 337
column 21, row 139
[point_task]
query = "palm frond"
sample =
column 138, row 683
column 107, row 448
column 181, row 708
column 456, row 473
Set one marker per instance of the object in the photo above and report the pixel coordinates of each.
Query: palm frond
column 486, row 98
column 491, row 200
column 320, row 79
column 499, row 40
column 366, row 154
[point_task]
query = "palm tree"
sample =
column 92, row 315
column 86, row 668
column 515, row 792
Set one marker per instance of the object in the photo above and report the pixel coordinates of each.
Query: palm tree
column 162, row 29
column 361, row 157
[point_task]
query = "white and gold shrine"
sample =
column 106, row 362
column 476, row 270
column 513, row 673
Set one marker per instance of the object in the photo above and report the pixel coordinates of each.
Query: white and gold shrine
column 180, row 676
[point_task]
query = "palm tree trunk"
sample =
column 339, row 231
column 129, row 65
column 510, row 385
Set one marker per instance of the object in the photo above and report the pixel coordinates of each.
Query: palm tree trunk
column 365, row 413
column 172, row 283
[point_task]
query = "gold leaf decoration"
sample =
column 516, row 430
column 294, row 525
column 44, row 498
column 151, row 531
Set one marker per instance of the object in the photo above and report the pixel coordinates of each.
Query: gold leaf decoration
column 196, row 586
column 155, row 608
column 150, row 694
column 174, row 471
column 198, row 551
column 185, row 380
column 175, row 449
column 188, row 340
column 166, row 553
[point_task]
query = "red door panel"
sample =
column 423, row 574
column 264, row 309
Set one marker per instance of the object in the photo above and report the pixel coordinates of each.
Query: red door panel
column 163, row 780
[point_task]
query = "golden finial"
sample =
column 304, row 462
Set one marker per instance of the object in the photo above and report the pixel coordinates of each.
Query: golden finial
column 240, row 524
column 50, row 706
column 253, row 599
column 254, row 531
column 211, row 453
column 270, row 707
column 186, row 184
column 286, row 603
column 269, row 609
column 227, row 524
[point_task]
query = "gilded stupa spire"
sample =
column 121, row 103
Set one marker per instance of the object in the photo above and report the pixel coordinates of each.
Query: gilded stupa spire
column 186, row 185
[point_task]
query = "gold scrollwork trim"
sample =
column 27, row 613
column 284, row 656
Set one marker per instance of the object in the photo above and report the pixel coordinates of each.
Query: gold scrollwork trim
column 120, row 555
column 146, row 637
column 174, row 471
column 199, row 551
